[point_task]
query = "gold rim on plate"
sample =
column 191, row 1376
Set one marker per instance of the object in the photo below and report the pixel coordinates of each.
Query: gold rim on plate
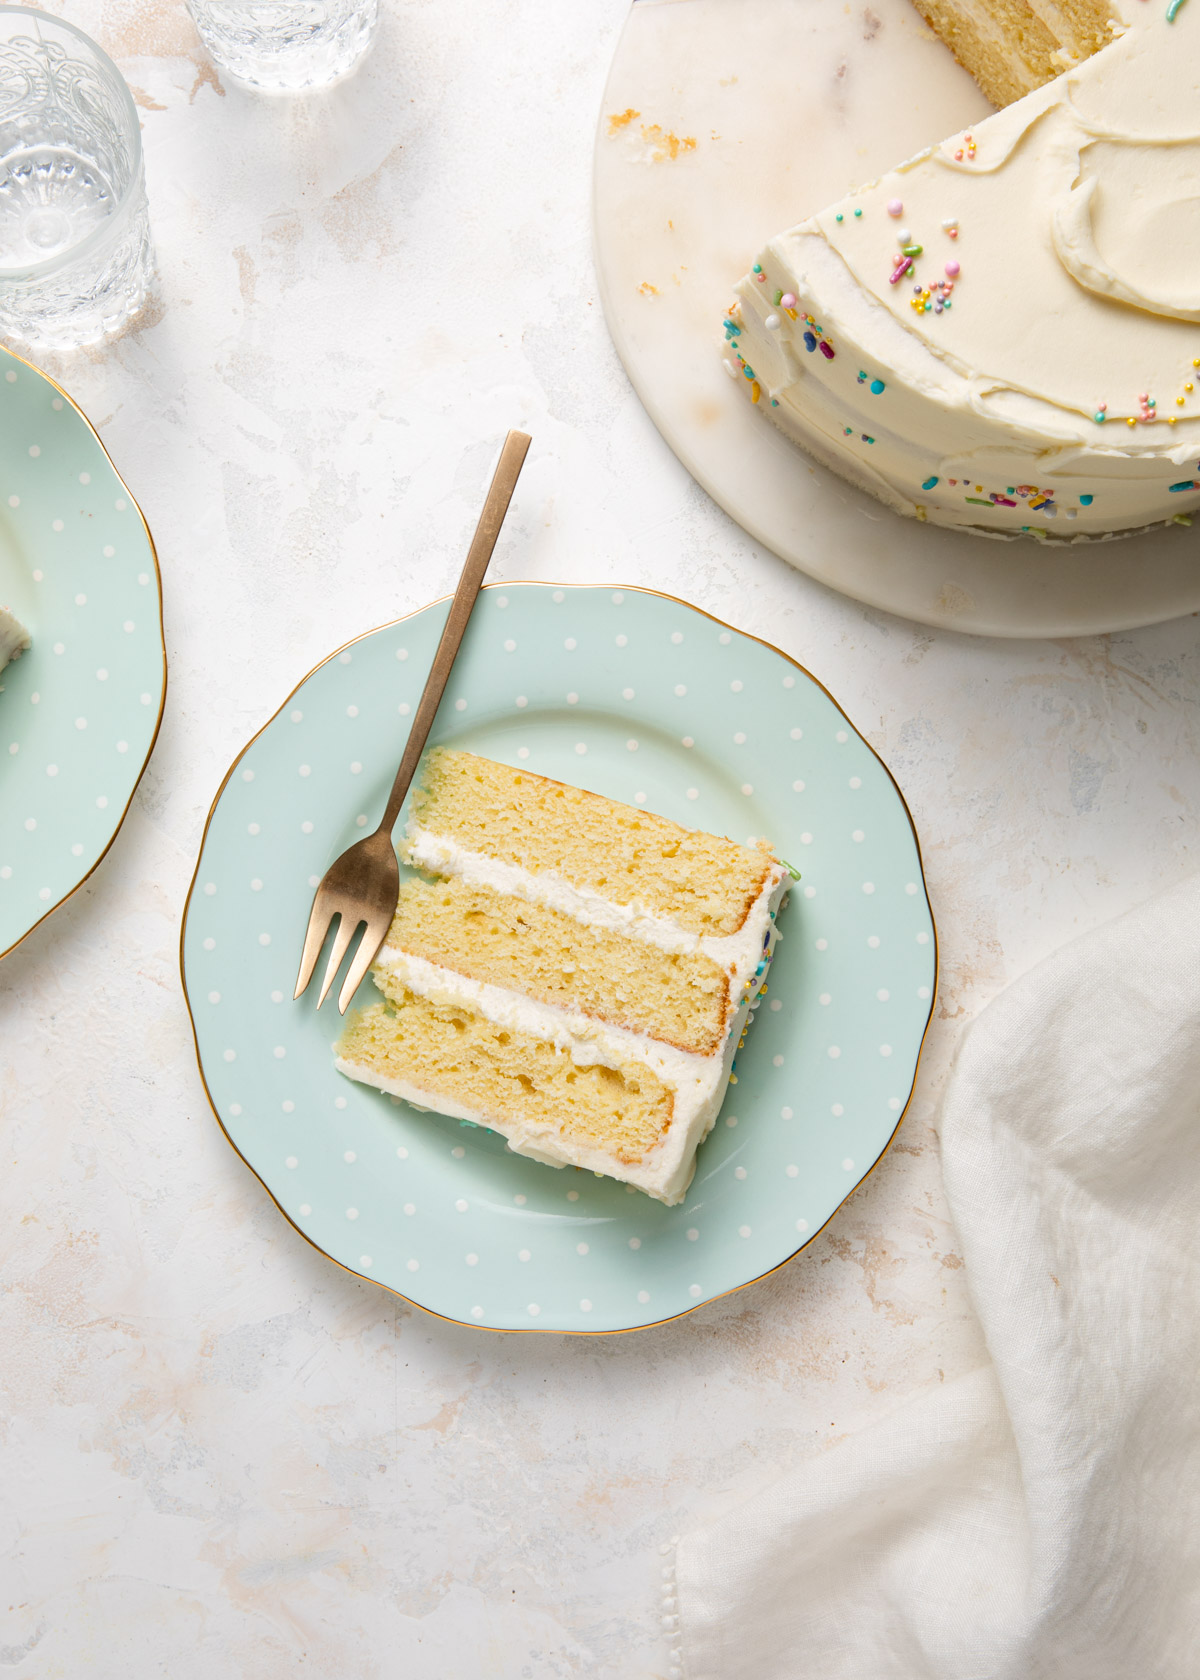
column 162, row 699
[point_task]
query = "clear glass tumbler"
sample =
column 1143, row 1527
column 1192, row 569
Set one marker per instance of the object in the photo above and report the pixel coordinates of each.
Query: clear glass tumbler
column 285, row 46
column 75, row 253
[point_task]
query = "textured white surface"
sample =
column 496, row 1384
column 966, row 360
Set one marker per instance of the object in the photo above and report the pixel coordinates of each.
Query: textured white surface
column 1036, row 1516
column 219, row 1453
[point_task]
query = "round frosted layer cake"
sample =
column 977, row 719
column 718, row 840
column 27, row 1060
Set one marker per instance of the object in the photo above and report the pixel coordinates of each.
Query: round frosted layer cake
column 1003, row 334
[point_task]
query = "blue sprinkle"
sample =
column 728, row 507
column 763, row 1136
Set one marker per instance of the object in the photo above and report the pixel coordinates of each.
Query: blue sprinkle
column 877, row 387
column 929, row 483
column 749, row 372
column 1086, row 501
column 1184, row 484
column 810, row 342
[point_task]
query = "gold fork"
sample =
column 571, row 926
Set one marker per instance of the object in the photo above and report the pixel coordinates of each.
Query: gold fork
column 362, row 885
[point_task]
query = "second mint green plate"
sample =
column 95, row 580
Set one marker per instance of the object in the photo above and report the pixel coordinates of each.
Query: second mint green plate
column 650, row 701
column 80, row 709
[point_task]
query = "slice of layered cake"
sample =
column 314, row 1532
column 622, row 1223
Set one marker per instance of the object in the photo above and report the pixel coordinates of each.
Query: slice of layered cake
column 573, row 973
column 1014, row 46
column 14, row 638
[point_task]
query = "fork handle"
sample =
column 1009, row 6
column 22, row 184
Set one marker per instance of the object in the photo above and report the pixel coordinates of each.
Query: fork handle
column 504, row 481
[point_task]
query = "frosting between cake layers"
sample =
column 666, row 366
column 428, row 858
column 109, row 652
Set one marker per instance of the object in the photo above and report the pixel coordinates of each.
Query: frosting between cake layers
column 1010, row 58
column 1038, row 371
column 697, row 1082
column 440, row 854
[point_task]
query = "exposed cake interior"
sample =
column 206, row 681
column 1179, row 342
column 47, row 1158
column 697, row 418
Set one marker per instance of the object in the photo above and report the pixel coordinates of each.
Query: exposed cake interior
column 703, row 883
column 577, row 975
column 680, row 997
column 1014, row 46
column 476, row 1067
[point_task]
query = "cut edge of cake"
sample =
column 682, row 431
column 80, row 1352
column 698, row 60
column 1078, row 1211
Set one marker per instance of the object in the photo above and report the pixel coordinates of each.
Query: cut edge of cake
column 1012, row 47
column 544, row 1071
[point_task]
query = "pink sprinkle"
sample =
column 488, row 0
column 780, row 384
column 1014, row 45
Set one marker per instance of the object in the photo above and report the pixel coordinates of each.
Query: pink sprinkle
column 788, row 300
column 903, row 267
column 895, row 207
column 953, row 232
column 953, row 269
column 958, row 157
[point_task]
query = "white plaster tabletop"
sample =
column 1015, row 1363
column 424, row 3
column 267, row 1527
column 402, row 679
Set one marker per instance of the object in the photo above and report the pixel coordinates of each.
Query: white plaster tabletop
column 219, row 1453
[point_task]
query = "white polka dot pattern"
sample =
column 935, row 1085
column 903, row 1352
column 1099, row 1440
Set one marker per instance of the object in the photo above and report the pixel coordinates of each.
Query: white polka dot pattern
column 79, row 709
column 449, row 1216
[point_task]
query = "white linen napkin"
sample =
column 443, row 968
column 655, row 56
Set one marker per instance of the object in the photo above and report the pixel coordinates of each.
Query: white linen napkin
column 1038, row 1519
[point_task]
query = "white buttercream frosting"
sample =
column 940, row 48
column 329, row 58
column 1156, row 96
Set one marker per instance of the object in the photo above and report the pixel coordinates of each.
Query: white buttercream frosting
column 1052, row 395
column 441, row 854
column 697, row 1083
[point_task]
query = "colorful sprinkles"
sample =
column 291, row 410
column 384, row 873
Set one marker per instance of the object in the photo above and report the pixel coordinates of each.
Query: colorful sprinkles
column 932, row 299
column 814, row 339
column 936, row 298
column 1147, row 406
column 1041, row 499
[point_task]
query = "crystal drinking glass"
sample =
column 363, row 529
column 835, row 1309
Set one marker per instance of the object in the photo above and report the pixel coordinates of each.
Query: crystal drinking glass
column 284, row 46
column 75, row 253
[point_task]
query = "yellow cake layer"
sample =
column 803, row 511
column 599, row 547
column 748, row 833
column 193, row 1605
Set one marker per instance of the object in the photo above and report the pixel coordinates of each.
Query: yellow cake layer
column 681, row 998
column 507, row 1078
column 703, row 883
column 1028, row 52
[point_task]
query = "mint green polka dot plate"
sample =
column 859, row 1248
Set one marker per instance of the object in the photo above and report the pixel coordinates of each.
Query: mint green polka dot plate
column 642, row 698
column 80, row 709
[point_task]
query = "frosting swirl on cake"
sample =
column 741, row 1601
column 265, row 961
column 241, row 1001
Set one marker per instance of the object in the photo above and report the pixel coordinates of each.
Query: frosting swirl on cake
column 1004, row 333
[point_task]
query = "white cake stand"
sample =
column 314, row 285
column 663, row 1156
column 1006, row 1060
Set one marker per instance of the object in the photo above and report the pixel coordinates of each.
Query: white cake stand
column 749, row 115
